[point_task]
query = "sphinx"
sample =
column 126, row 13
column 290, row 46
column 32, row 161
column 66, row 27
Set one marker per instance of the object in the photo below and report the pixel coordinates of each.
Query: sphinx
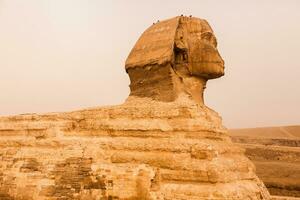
column 162, row 143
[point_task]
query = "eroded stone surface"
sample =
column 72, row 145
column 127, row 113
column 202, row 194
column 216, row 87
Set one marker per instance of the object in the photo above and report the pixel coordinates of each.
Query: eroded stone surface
column 163, row 143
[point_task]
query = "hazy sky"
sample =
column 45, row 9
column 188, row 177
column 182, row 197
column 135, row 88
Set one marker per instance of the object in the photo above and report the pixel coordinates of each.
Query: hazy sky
column 60, row 55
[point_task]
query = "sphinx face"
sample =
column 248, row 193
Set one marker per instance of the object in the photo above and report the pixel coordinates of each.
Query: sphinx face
column 205, row 60
column 196, row 46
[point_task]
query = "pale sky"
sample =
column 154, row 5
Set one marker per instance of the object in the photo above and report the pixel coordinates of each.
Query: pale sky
column 64, row 55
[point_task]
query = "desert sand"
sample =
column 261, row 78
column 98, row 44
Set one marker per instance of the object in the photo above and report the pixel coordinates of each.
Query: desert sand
column 275, row 151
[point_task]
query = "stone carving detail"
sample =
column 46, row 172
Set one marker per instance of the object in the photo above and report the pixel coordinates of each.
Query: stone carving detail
column 163, row 143
column 172, row 57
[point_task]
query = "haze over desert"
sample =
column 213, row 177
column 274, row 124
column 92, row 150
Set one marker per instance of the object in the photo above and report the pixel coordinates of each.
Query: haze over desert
column 61, row 56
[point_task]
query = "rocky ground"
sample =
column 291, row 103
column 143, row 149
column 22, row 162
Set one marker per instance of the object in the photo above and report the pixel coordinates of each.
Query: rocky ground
column 276, row 153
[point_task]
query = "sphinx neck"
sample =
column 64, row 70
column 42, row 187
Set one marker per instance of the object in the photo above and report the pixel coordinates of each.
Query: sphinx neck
column 162, row 83
column 194, row 87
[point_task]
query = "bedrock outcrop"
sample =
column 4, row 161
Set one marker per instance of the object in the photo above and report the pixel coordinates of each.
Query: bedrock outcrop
column 163, row 143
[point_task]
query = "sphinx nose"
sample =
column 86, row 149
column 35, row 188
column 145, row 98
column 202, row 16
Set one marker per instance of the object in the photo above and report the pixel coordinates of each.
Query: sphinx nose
column 220, row 58
column 223, row 62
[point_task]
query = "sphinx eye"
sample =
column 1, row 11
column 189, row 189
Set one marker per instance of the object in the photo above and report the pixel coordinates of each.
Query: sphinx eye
column 206, row 36
column 209, row 37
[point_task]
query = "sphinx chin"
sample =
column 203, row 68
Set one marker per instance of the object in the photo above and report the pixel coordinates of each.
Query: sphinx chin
column 208, row 70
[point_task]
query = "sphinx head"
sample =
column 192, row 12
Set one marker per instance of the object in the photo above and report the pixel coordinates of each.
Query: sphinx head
column 174, row 56
column 195, row 48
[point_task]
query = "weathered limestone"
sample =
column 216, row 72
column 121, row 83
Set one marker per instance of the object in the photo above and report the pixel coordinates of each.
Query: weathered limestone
column 162, row 143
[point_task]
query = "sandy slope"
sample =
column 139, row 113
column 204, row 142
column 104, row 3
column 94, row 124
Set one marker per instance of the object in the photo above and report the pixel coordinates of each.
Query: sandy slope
column 286, row 132
column 276, row 153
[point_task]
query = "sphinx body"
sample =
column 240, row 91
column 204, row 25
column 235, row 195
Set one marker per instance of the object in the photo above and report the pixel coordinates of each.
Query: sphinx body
column 163, row 143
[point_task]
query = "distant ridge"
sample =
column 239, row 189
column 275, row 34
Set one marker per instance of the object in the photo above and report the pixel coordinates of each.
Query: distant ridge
column 290, row 132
